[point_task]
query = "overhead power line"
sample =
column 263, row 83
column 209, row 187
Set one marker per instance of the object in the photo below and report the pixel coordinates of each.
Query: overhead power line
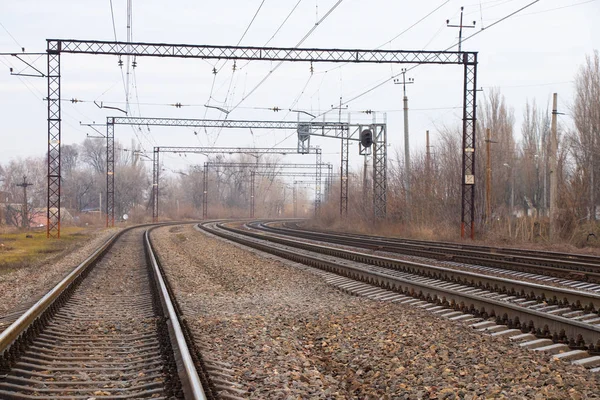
column 281, row 62
column 112, row 14
column 251, row 22
column 377, row 86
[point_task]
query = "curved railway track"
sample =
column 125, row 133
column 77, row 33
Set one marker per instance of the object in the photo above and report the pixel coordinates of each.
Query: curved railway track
column 109, row 329
column 581, row 267
column 559, row 319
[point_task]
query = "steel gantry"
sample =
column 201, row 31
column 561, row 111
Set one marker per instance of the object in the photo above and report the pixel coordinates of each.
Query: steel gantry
column 226, row 150
column 57, row 46
column 231, row 150
column 269, row 169
column 217, row 150
column 198, row 123
column 351, row 132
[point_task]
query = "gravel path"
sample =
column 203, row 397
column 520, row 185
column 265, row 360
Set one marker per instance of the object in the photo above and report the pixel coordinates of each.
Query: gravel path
column 291, row 336
column 22, row 287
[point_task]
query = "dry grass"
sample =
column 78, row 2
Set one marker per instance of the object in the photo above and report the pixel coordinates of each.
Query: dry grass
column 19, row 249
column 524, row 233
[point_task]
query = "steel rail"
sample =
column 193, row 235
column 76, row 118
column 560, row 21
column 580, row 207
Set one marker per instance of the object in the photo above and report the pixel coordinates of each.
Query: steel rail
column 573, row 328
column 17, row 328
column 189, row 375
column 529, row 289
column 592, row 260
column 564, row 268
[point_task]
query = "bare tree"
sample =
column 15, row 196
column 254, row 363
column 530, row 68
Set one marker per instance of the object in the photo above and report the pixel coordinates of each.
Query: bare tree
column 533, row 153
column 584, row 138
column 495, row 115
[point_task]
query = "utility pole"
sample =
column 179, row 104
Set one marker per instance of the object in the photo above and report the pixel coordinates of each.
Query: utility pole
column 295, row 200
column 488, row 175
column 460, row 28
column 24, row 213
column 406, row 142
column 252, row 180
column 553, row 167
column 427, row 154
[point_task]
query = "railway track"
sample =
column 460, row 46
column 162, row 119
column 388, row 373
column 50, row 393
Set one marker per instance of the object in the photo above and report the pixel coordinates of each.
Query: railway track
column 109, row 329
column 546, row 317
column 578, row 267
column 539, row 276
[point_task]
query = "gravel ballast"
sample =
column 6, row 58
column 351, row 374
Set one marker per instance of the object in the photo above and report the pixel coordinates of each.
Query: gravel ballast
column 289, row 335
column 20, row 288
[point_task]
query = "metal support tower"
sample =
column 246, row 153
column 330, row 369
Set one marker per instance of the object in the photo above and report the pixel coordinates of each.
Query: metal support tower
column 318, row 190
column 54, row 118
column 345, row 155
column 204, row 192
column 329, row 182
column 252, row 179
column 295, row 200
column 57, row 46
column 468, row 159
column 155, row 180
column 110, row 175
column 380, row 171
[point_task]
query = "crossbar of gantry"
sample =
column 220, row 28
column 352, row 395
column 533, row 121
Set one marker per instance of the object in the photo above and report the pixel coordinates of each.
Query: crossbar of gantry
column 324, row 128
column 271, row 169
column 216, row 150
column 55, row 47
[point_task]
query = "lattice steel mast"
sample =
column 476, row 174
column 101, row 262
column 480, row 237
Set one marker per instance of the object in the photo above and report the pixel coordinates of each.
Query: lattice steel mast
column 57, row 46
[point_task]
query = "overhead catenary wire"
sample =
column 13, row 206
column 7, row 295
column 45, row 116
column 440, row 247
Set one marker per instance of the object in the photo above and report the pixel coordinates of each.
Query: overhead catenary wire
column 40, row 96
column 217, row 70
column 378, row 85
column 277, row 30
column 112, row 14
column 306, row 36
column 394, row 38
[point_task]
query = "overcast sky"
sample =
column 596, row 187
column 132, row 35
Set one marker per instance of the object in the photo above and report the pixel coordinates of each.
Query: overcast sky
column 528, row 56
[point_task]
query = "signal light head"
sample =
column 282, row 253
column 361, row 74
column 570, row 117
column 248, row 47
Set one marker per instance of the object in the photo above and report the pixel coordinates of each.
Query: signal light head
column 366, row 138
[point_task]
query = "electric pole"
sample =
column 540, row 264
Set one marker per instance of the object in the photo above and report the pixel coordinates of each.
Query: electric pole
column 427, row 154
column 488, row 175
column 24, row 213
column 406, row 142
column 460, row 28
column 295, row 200
column 553, row 167
column 428, row 178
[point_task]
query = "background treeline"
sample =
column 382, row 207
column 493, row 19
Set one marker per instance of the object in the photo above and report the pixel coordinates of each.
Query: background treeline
column 519, row 183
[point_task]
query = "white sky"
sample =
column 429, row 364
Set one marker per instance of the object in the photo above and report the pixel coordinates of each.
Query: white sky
column 528, row 56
